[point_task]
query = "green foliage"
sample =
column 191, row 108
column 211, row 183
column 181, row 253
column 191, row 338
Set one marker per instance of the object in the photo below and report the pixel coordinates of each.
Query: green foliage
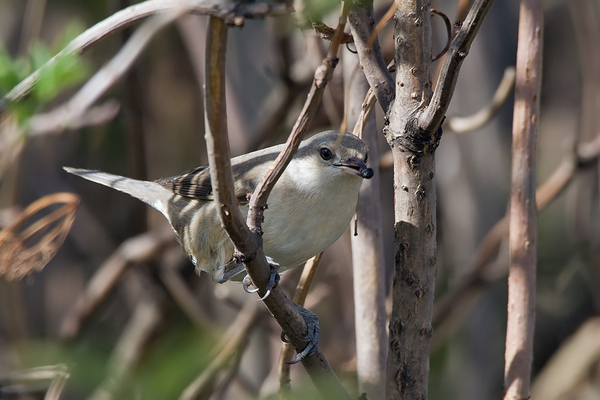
column 67, row 71
column 318, row 9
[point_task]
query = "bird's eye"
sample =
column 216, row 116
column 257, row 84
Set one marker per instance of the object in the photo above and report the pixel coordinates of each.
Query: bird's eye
column 326, row 154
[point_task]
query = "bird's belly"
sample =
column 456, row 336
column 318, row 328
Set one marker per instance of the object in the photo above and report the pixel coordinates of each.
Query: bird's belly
column 292, row 238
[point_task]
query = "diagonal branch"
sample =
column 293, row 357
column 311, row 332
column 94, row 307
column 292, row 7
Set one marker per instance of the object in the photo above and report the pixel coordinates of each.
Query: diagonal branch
column 323, row 75
column 433, row 115
column 371, row 58
column 489, row 111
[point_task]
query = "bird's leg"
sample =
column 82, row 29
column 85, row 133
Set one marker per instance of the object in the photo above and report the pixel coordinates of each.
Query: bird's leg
column 312, row 338
column 238, row 259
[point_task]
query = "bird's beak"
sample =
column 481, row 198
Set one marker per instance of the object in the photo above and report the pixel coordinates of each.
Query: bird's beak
column 355, row 166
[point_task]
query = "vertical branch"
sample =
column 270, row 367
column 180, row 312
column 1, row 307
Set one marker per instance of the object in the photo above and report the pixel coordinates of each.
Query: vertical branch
column 522, row 233
column 415, row 207
column 367, row 250
column 217, row 143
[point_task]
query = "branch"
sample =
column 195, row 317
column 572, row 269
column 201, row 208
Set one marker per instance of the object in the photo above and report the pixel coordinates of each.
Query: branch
column 448, row 33
column 287, row 351
column 371, row 58
column 432, row 116
column 522, row 225
column 326, row 32
column 483, row 116
column 248, row 241
column 323, row 75
column 368, row 259
column 232, row 13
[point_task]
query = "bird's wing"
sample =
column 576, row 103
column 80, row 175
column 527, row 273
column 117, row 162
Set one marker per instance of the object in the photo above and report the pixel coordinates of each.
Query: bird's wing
column 196, row 183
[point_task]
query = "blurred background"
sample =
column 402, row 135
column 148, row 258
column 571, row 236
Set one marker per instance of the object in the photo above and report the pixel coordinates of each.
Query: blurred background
column 119, row 307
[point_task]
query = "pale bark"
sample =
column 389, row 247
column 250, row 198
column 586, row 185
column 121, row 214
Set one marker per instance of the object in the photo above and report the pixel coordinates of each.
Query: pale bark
column 522, row 225
column 367, row 250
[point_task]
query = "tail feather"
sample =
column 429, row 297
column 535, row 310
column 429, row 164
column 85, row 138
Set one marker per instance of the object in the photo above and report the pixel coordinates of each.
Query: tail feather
column 150, row 193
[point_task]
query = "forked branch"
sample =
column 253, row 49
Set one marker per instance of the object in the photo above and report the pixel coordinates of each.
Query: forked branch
column 432, row 116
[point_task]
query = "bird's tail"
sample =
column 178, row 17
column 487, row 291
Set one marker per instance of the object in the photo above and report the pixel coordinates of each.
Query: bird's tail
column 149, row 192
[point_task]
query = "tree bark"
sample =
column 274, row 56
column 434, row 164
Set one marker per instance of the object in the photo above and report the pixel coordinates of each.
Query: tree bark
column 415, row 206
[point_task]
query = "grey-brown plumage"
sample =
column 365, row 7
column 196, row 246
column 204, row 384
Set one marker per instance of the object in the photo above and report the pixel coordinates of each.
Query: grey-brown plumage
column 309, row 207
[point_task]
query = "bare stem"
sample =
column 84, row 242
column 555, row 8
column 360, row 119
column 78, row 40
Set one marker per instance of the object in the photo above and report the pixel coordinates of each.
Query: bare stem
column 287, row 350
column 369, row 52
column 483, row 116
column 522, row 225
column 367, row 246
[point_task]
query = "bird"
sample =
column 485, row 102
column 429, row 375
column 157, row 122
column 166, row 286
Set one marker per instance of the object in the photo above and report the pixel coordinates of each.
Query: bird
column 309, row 208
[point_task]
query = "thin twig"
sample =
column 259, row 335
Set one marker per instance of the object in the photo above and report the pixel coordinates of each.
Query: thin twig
column 287, row 350
column 448, row 32
column 381, row 24
column 477, row 120
column 489, row 111
column 57, row 373
column 326, row 32
column 233, row 13
column 53, row 122
column 371, row 59
column 368, row 258
column 32, row 240
column 431, row 118
column 322, row 76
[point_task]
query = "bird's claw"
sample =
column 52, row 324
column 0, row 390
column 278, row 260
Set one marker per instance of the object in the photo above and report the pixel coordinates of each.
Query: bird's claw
column 312, row 337
column 246, row 283
column 273, row 279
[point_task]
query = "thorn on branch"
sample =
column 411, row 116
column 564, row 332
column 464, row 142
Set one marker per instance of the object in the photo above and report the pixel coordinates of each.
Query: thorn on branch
column 326, row 32
column 448, row 32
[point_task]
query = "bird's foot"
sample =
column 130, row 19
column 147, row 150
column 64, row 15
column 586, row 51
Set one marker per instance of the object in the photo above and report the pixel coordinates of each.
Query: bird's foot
column 273, row 279
column 312, row 338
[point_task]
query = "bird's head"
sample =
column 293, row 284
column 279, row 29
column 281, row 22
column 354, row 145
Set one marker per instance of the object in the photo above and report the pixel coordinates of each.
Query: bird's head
column 329, row 159
column 334, row 154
